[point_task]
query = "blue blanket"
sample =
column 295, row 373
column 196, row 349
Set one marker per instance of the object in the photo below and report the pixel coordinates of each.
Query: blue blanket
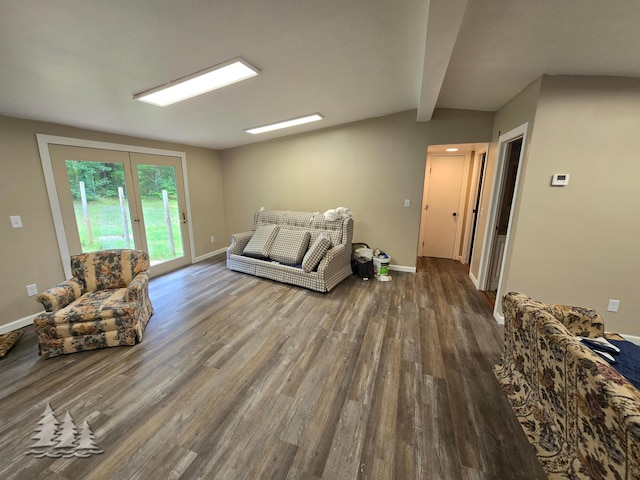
column 628, row 361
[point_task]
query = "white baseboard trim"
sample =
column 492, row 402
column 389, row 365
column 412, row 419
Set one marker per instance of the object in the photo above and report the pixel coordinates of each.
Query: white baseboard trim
column 498, row 317
column 474, row 280
column 402, row 268
column 17, row 324
column 209, row 255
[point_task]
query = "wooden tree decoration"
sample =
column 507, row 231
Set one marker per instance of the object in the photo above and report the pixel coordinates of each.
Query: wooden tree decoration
column 67, row 440
column 86, row 442
column 55, row 439
column 46, row 433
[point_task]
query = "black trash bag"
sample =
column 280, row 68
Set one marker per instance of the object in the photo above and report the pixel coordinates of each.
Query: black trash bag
column 359, row 266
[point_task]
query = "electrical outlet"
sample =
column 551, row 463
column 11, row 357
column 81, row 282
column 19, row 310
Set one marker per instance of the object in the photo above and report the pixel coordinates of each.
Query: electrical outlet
column 613, row 306
column 213, row 239
column 32, row 290
column 407, row 202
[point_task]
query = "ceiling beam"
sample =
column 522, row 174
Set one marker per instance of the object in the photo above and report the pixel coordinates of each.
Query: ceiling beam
column 443, row 25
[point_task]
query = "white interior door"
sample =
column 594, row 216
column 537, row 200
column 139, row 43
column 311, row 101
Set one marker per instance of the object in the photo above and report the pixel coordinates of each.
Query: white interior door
column 441, row 215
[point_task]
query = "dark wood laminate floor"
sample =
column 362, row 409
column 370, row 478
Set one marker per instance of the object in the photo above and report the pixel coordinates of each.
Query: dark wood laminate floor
column 243, row 378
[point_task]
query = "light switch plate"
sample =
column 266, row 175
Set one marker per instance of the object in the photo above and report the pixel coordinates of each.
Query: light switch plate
column 560, row 179
column 407, row 202
column 16, row 221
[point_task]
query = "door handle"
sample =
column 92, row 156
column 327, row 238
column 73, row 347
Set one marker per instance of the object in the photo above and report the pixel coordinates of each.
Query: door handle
column 455, row 214
column 426, row 207
column 184, row 216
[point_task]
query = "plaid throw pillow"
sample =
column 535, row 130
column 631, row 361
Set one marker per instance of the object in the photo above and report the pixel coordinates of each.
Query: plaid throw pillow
column 315, row 253
column 289, row 246
column 261, row 241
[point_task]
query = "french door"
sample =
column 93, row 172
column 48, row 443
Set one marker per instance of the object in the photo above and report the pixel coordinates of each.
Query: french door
column 119, row 199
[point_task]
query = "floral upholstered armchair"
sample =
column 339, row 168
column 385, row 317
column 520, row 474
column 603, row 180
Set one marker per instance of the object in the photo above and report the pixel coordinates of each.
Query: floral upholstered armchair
column 105, row 304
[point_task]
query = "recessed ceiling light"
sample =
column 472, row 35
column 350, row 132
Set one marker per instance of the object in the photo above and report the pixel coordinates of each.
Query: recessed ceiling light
column 287, row 123
column 198, row 83
column 452, row 149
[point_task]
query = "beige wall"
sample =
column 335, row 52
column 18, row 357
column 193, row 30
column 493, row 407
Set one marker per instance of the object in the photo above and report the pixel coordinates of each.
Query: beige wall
column 569, row 245
column 370, row 166
column 577, row 244
column 30, row 254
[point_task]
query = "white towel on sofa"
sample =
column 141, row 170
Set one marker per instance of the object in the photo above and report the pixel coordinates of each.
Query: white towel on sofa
column 337, row 213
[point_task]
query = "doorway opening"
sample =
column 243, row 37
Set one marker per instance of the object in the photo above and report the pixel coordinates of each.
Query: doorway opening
column 512, row 154
column 452, row 183
column 503, row 196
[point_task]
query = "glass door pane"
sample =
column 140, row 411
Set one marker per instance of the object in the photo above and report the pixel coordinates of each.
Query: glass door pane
column 161, row 212
column 159, row 194
column 93, row 187
column 100, row 204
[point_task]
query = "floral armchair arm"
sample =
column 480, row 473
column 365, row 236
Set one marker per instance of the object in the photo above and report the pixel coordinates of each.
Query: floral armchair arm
column 61, row 295
column 138, row 288
column 582, row 321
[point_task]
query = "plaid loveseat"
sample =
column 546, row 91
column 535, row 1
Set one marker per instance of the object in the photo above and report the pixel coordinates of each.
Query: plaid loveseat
column 104, row 304
column 579, row 413
column 299, row 248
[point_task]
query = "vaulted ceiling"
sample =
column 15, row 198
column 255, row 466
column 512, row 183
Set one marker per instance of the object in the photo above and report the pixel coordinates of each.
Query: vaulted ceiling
column 79, row 62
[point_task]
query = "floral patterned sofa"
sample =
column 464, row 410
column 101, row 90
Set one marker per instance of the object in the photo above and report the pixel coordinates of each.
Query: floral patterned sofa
column 300, row 248
column 579, row 413
column 105, row 304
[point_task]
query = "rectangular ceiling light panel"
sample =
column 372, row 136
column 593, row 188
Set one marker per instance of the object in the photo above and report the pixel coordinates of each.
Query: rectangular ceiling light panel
column 201, row 82
column 286, row 124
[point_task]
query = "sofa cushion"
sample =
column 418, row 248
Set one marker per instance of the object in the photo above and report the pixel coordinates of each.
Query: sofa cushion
column 315, row 253
column 289, row 246
column 261, row 241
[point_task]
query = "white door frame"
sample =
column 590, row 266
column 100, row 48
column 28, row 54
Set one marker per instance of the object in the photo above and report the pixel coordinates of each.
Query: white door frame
column 473, row 195
column 462, row 214
column 492, row 218
column 45, row 158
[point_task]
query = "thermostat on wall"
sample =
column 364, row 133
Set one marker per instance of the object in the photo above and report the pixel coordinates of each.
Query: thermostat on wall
column 560, row 179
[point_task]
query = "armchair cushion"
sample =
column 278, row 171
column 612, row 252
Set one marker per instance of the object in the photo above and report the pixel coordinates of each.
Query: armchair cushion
column 97, row 305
